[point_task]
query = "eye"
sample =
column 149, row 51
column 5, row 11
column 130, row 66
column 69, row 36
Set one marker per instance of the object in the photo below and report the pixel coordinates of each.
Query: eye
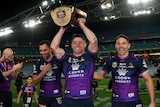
column 81, row 42
column 73, row 42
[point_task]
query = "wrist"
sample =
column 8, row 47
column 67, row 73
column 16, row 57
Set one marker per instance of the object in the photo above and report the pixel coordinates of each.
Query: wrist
column 82, row 25
column 43, row 72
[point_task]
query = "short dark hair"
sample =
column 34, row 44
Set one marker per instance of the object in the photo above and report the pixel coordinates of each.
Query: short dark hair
column 47, row 42
column 78, row 35
column 29, row 76
column 122, row 36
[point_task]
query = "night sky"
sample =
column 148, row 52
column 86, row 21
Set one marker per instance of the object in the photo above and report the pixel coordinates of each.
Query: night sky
column 11, row 8
column 108, row 28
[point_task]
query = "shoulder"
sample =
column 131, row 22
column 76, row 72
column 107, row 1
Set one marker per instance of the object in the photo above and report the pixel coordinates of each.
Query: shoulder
column 24, row 85
column 135, row 57
column 112, row 58
column 39, row 61
column 33, row 86
column 54, row 59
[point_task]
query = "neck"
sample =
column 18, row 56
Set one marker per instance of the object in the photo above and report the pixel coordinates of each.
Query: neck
column 49, row 58
column 80, row 54
column 29, row 84
column 123, row 56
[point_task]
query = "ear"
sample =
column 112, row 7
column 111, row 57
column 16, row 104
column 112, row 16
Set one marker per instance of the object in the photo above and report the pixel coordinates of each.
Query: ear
column 129, row 46
column 85, row 45
column 115, row 46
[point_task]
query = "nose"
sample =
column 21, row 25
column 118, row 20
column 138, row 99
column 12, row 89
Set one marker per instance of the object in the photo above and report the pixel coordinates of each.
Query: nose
column 10, row 58
column 120, row 45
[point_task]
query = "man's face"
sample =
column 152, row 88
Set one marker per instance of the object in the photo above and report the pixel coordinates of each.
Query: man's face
column 8, row 57
column 78, row 45
column 122, row 46
column 44, row 50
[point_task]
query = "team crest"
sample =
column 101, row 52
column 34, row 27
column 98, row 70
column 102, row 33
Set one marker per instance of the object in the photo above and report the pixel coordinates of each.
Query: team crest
column 114, row 64
column 41, row 67
column 26, row 88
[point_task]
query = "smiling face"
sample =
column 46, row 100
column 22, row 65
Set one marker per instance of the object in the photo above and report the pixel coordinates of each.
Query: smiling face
column 122, row 45
column 8, row 55
column 78, row 45
column 45, row 51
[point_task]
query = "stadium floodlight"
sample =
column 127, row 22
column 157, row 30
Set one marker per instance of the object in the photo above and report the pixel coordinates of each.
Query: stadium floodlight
column 133, row 2
column 31, row 23
column 46, row 3
column 138, row 12
column 6, row 31
column 107, row 4
column 109, row 17
column 106, row 18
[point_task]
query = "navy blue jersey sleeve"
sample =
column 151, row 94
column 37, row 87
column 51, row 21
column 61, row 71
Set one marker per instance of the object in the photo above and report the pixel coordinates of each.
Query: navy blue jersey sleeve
column 142, row 65
column 107, row 65
column 36, row 68
column 93, row 55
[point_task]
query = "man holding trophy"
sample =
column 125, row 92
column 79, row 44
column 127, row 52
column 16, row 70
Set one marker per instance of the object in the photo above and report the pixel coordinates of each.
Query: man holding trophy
column 78, row 68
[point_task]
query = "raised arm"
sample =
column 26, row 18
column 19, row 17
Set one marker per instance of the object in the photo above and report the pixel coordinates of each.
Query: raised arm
column 58, row 52
column 93, row 42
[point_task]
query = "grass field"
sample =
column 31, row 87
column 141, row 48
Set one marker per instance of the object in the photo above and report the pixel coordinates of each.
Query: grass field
column 104, row 95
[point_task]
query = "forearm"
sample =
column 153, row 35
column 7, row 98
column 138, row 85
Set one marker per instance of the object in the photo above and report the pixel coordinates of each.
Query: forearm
column 99, row 75
column 20, row 93
column 151, row 90
column 19, row 96
column 150, row 86
column 35, row 95
column 37, row 79
column 91, row 37
column 89, row 34
column 58, row 52
column 7, row 73
column 96, row 76
column 16, row 68
column 15, row 74
column 57, row 39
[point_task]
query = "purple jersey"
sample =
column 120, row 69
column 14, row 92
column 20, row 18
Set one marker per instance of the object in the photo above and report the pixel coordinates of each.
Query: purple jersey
column 6, row 84
column 125, row 74
column 78, row 72
column 28, row 90
column 50, row 85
